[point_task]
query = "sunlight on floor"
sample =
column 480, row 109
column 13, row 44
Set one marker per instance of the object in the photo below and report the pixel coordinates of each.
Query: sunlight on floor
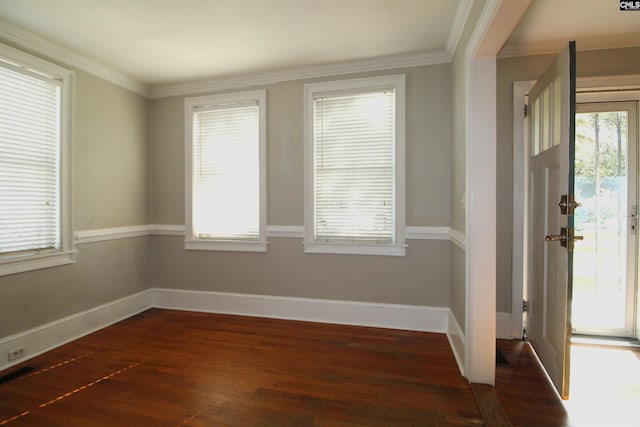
column 605, row 386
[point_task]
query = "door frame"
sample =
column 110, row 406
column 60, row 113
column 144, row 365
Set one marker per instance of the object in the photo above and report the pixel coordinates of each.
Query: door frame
column 617, row 101
column 520, row 178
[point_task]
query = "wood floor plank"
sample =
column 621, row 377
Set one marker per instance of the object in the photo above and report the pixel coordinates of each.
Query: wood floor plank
column 525, row 391
column 493, row 413
column 174, row 368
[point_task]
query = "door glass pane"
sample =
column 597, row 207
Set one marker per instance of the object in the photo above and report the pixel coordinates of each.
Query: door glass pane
column 546, row 119
column 557, row 118
column 600, row 270
column 535, row 127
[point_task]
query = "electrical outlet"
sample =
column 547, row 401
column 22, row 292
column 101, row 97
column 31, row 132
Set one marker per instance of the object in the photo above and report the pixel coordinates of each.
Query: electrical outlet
column 15, row 354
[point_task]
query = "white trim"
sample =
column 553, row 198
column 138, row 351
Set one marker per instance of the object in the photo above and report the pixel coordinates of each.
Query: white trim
column 354, row 249
column 548, row 47
column 520, row 178
column 283, row 231
column 611, row 95
column 496, row 23
column 65, row 254
column 301, row 73
column 457, row 28
column 226, row 245
column 166, row 229
column 46, row 337
column 393, row 316
column 21, row 264
column 503, row 326
column 457, row 238
column 617, row 83
column 191, row 105
column 427, row 233
column 102, row 234
column 455, row 336
column 291, row 231
column 28, row 40
column 480, row 223
column 397, row 248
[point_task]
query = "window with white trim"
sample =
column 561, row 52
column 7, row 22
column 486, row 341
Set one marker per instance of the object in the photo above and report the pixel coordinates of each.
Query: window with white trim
column 35, row 197
column 226, row 172
column 355, row 166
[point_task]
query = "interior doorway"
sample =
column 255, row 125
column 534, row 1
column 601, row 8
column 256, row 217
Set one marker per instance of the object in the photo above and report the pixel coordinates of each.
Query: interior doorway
column 623, row 93
column 605, row 262
column 620, row 92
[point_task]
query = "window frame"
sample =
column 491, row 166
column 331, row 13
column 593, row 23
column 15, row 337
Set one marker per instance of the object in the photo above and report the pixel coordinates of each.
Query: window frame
column 23, row 261
column 311, row 90
column 192, row 242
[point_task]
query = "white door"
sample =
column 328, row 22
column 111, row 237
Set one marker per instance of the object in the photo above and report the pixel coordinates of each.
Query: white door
column 552, row 125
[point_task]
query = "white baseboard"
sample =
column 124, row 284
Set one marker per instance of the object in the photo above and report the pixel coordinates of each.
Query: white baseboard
column 393, row 316
column 455, row 335
column 503, row 326
column 54, row 334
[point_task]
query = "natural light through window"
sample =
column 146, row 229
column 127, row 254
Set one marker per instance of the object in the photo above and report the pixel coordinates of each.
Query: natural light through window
column 226, row 148
column 35, row 217
column 353, row 141
column 355, row 167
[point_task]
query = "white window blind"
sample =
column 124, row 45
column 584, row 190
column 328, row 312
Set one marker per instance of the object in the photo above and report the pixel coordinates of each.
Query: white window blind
column 226, row 172
column 29, row 161
column 354, row 136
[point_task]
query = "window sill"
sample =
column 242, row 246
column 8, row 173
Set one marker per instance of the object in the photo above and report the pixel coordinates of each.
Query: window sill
column 226, row 245
column 354, row 249
column 21, row 264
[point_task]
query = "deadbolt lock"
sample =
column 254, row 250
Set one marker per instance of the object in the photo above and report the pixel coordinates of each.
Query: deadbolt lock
column 568, row 205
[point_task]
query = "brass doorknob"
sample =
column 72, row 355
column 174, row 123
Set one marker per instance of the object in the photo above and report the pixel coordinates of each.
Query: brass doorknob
column 555, row 237
column 563, row 238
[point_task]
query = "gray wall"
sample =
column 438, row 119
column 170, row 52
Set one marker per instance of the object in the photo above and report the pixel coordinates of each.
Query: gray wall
column 419, row 278
column 510, row 70
column 110, row 155
column 109, row 190
column 422, row 277
column 129, row 170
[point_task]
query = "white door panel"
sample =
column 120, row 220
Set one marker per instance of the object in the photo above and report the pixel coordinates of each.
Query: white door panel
column 552, row 110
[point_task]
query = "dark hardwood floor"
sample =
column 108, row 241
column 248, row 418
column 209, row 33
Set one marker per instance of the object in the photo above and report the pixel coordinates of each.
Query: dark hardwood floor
column 525, row 391
column 177, row 368
column 172, row 368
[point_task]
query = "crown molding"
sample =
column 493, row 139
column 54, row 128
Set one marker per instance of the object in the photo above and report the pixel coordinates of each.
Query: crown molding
column 457, row 28
column 548, row 47
column 16, row 35
column 299, row 73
